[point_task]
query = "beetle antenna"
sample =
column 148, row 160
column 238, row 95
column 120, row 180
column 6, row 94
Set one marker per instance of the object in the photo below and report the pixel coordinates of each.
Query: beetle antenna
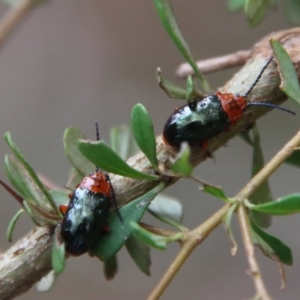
column 97, row 137
column 270, row 105
column 97, row 131
column 258, row 77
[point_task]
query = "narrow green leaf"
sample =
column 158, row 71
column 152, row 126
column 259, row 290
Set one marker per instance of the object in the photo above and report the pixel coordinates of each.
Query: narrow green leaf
column 168, row 20
column 110, row 267
column 227, row 225
column 151, row 239
column 31, row 214
column 235, row 5
column 58, row 252
column 168, row 210
column 293, row 11
column 106, row 159
column 245, row 136
column 74, row 178
column 294, row 159
column 256, row 11
column 112, row 242
column 192, row 92
column 172, row 90
column 77, row 160
column 122, row 142
column 289, row 84
column 140, row 254
column 272, row 245
column 12, row 167
column 59, row 197
column 181, row 164
column 143, row 132
column 284, row 206
column 12, row 224
column 215, row 191
column 263, row 193
column 31, row 172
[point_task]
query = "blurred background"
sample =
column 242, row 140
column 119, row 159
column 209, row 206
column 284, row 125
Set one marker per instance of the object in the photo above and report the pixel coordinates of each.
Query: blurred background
column 70, row 63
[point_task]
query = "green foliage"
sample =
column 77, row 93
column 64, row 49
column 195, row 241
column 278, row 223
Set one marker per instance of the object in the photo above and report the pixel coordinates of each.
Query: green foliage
column 271, row 245
column 143, row 132
column 168, row 20
column 167, row 210
column 153, row 240
column 140, row 254
column 287, row 205
column 110, row 267
column 290, row 84
column 111, row 243
column 181, row 164
column 58, row 257
column 263, row 192
column 109, row 161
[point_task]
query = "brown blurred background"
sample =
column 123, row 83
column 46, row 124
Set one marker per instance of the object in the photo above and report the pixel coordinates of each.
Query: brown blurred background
column 73, row 62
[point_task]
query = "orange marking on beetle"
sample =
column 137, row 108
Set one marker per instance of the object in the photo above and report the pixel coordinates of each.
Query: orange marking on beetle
column 63, row 208
column 233, row 106
column 97, row 183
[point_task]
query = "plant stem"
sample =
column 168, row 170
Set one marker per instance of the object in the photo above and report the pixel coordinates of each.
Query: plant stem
column 194, row 238
column 243, row 216
column 214, row 64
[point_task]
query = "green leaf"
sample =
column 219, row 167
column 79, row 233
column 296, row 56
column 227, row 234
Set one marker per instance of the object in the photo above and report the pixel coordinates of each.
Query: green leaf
column 168, row 20
column 122, row 142
column 74, row 178
column 256, row 11
column 143, row 132
column 192, row 92
column 215, row 191
column 59, row 197
column 290, row 84
column 293, row 11
column 287, row 205
column 294, row 159
column 58, row 252
column 171, row 89
column 272, row 245
column 106, row 159
column 77, row 160
column 227, row 224
column 181, row 164
column 110, row 267
column 151, row 239
column 32, row 178
column 245, row 136
column 12, row 224
column 263, row 193
column 14, row 171
column 140, row 254
column 112, row 242
column 168, row 210
column 235, row 5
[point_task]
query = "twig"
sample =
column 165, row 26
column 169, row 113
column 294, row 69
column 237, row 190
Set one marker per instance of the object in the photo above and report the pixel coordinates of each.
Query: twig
column 214, row 64
column 243, row 217
column 13, row 17
column 194, row 238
